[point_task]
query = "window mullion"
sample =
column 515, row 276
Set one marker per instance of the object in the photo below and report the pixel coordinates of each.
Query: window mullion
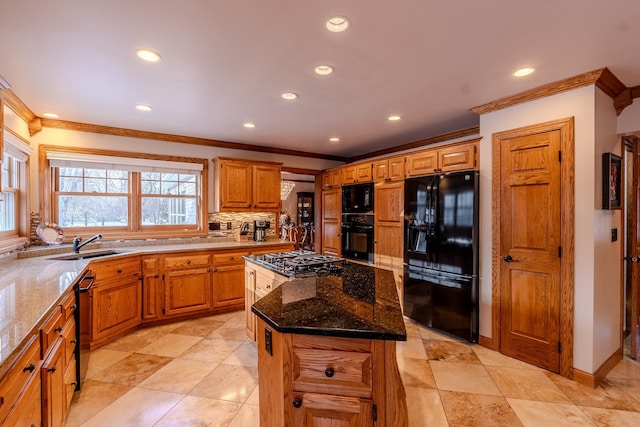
column 135, row 201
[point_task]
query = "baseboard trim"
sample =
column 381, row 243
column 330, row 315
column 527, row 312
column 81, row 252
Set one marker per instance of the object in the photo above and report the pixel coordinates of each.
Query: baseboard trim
column 592, row 380
column 486, row 342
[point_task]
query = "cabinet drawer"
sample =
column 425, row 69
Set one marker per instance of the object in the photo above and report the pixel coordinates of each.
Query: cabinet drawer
column 332, row 371
column 115, row 269
column 68, row 305
column 26, row 367
column 51, row 330
column 69, row 337
column 229, row 258
column 187, row 261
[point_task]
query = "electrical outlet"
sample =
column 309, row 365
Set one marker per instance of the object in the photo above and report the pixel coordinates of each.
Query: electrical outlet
column 228, row 225
column 614, row 234
column 267, row 341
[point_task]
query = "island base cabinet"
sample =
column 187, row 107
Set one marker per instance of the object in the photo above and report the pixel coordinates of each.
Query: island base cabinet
column 28, row 410
column 295, row 392
column 53, row 387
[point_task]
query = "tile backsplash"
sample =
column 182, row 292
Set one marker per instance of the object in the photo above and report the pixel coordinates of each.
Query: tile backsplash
column 236, row 219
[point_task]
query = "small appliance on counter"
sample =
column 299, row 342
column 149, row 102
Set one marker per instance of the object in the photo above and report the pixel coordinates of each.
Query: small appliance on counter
column 260, row 227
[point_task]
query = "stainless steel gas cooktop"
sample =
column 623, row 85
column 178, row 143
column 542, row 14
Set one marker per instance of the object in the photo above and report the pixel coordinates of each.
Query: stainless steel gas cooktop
column 301, row 263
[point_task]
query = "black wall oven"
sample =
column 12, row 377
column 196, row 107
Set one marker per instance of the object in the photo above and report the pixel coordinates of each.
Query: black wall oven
column 357, row 198
column 357, row 237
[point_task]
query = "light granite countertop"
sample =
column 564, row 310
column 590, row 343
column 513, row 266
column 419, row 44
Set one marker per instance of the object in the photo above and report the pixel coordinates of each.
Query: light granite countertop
column 32, row 284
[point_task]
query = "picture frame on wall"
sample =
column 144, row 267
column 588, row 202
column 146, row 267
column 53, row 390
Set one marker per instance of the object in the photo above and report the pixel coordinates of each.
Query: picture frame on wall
column 611, row 181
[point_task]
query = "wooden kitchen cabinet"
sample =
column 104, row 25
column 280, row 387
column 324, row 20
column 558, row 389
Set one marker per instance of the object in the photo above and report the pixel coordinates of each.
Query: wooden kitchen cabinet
column 243, row 185
column 445, row 159
column 258, row 282
column 391, row 169
column 357, row 173
column 332, row 178
column 116, row 299
column 389, row 225
column 20, row 388
column 310, row 380
column 331, row 222
column 187, row 284
column 53, row 387
column 228, row 279
column 152, row 288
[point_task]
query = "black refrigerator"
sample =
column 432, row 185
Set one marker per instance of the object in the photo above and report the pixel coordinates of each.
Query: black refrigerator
column 441, row 252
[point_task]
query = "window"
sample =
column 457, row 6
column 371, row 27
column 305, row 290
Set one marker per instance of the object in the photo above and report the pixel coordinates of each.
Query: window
column 13, row 216
column 116, row 195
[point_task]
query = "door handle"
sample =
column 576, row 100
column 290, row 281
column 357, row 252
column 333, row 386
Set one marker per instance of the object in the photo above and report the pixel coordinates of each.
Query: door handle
column 508, row 258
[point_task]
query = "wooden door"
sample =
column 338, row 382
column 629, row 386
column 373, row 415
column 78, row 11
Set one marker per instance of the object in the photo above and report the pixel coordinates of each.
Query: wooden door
column 235, row 185
column 187, row 291
column 322, row 410
column 331, row 217
column 228, row 285
column 631, row 325
column 530, row 238
column 266, row 186
column 389, row 223
column 116, row 308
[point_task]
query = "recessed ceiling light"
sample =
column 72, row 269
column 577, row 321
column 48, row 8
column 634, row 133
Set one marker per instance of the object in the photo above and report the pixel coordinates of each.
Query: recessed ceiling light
column 289, row 95
column 143, row 107
column 148, row 55
column 394, row 118
column 50, row 115
column 249, row 125
column 523, row 72
column 334, row 139
column 337, row 24
column 324, row 70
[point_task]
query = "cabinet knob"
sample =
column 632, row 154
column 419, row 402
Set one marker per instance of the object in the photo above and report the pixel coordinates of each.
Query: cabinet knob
column 73, row 341
column 58, row 329
column 188, row 261
column 73, row 383
column 73, row 307
column 231, row 258
column 156, row 276
column 329, row 372
column 297, row 402
column 51, row 369
column 119, row 270
column 29, row 368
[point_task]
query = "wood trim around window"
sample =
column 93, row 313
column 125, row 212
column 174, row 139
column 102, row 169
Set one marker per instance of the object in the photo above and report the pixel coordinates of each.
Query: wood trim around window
column 47, row 204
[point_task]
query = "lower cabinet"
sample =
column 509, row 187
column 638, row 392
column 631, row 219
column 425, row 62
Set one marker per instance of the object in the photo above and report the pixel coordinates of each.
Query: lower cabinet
column 28, row 410
column 53, row 389
column 187, row 291
column 228, row 285
column 322, row 409
column 116, row 308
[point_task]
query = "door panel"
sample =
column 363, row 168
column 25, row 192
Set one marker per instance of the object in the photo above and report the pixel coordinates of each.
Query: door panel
column 530, row 247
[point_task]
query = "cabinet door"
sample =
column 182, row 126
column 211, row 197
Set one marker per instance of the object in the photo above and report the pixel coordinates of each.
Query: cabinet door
column 422, row 163
column 228, row 286
column 266, row 186
column 28, row 410
column 349, row 175
column 331, row 238
column 389, row 225
column 249, row 299
column 332, row 178
column 458, row 157
column 151, row 296
column 335, row 411
column 395, row 170
column 235, row 185
column 187, row 291
column 53, row 389
column 332, row 205
column 116, row 308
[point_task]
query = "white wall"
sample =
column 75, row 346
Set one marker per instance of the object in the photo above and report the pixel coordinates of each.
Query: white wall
column 607, row 265
column 69, row 138
column 589, row 220
column 629, row 120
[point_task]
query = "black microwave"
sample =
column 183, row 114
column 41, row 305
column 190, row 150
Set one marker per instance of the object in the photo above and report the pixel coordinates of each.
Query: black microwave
column 357, row 198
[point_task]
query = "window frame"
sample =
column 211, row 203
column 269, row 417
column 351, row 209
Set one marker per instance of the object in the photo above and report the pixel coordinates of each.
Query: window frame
column 19, row 235
column 135, row 229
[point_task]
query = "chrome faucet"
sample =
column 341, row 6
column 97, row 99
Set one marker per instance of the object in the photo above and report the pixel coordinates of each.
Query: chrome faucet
column 77, row 245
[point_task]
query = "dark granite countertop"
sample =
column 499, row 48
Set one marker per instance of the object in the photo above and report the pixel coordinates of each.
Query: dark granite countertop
column 362, row 302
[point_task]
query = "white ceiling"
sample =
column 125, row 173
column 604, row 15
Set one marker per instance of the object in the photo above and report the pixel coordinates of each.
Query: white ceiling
column 226, row 62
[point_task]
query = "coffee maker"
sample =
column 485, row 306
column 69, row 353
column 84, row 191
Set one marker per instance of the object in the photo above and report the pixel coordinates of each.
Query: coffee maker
column 260, row 227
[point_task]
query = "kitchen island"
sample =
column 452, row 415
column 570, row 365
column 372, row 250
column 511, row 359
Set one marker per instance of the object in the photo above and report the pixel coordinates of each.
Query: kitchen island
column 327, row 350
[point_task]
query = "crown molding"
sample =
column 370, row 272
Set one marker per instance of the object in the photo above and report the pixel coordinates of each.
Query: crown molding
column 16, row 104
column 132, row 133
column 603, row 78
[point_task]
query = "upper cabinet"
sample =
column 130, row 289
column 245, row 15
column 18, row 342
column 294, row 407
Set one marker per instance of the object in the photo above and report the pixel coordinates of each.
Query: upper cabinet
column 332, row 178
column 357, row 173
column 444, row 159
column 390, row 169
column 243, row 185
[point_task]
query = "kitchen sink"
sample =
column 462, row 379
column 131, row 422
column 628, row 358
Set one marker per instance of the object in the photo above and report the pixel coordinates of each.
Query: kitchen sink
column 87, row 255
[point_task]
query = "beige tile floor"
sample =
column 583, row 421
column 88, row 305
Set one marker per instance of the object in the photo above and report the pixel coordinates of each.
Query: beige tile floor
column 203, row 372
